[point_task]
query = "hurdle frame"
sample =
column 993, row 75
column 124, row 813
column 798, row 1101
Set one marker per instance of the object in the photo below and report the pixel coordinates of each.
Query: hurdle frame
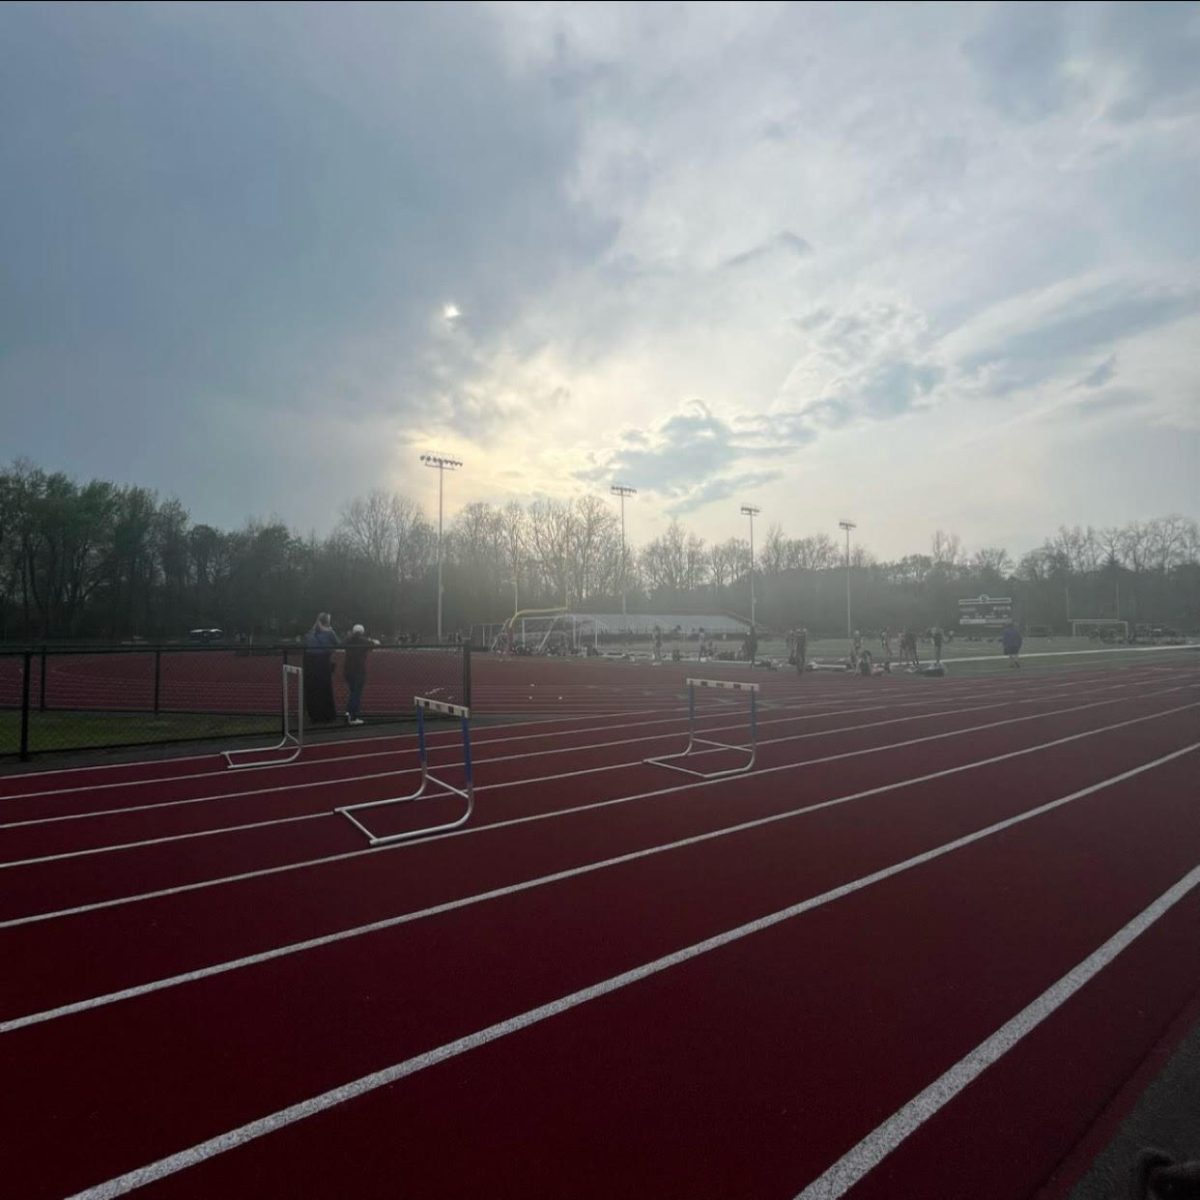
column 467, row 793
column 671, row 761
column 233, row 758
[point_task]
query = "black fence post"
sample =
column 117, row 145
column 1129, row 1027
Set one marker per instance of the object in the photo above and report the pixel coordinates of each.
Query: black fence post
column 42, row 688
column 157, row 677
column 25, row 674
column 467, row 674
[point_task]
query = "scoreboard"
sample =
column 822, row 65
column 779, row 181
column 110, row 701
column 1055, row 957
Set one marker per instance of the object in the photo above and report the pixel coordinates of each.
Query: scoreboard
column 985, row 612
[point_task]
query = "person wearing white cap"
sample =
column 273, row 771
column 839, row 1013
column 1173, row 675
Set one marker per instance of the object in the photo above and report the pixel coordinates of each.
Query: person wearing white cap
column 357, row 647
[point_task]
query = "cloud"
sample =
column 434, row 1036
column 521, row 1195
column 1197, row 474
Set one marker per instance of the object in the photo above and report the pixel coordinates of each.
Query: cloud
column 1020, row 59
column 1125, row 400
column 1156, row 47
column 692, row 456
column 785, row 242
column 1050, row 333
column 272, row 205
column 1034, row 61
column 248, row 223
column 870, row 361
column 721, row 489
column 1101, row 375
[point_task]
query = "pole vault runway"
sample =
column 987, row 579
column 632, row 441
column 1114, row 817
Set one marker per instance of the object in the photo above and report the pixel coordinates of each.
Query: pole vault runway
column 915, row 951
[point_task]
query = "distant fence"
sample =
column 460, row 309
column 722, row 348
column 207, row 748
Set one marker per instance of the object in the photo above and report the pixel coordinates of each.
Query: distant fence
column 55, row 698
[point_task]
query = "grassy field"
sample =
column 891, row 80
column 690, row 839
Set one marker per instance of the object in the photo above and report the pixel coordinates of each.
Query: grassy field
column 1065, row 653
column 50, row 731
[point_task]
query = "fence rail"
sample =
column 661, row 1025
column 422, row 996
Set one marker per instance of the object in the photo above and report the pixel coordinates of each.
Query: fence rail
column 58, row 699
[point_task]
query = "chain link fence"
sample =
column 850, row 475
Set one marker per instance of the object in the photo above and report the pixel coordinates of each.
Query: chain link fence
column 58, row 699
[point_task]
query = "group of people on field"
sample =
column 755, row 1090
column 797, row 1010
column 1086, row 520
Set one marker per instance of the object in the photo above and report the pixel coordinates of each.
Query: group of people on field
column 320, row 644
column 863, row 661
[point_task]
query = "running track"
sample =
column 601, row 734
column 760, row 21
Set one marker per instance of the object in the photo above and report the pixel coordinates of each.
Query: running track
column 916, row 952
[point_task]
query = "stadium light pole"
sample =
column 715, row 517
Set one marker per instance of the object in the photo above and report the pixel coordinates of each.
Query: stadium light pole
column 619, row 489
column 442, row 465
column 748, row 510
column 847, row 526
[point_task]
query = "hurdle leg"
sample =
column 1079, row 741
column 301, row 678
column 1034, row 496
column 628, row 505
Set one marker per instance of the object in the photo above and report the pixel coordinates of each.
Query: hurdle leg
column 467, row 792
column 674, row 762
column 242, row 760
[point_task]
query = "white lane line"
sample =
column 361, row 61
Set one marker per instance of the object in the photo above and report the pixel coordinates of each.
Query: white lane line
column 194, row 1155
column 538, row 735
column 448, row 741
column 511, row 889
column 352, row 755
column 881, row 1141
column 298, row 786
column 1132, row 678
column 999, row 657
column 680, row 730
column 620, row 766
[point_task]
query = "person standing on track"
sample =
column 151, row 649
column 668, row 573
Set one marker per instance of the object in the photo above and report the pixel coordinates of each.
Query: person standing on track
column 354, row 666
column 801, row 650
column 937, row 643
column 319, row 644
column 1010, row 639
column 657, row 644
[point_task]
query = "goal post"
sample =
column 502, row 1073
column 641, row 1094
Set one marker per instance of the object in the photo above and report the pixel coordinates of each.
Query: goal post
column 1100, row 629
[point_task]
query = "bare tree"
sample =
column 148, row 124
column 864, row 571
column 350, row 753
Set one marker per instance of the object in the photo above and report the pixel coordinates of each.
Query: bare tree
column 696, row 561
column 551, row 537
column 818, row 552
column 773, row 557
column 945, row 549
column 596, row 532
column 991, row 560
column 1167, row 541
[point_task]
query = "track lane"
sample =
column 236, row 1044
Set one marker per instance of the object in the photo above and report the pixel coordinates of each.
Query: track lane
column 106, row 798
column 44, row 784
column 513, row 954
column 142, row 868
column 757, row 997
column 110, row 949
column 22, row 835
column 79, row 790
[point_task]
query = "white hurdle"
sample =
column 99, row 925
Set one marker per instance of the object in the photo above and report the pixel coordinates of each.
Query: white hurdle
column 240, row 759
column 467, row 793
column 672, row 762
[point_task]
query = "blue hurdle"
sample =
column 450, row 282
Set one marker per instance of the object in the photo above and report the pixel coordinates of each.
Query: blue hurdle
column 421, row 703
column 672, row 761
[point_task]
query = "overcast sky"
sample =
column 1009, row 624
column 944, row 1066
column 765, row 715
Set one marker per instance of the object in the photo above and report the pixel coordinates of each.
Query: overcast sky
column 932, row 266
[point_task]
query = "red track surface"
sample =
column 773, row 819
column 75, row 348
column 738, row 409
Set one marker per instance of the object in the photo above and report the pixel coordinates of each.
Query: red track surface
column 130, row 1032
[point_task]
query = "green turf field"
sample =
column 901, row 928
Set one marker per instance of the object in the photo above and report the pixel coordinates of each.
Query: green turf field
column 49, row 731
column 1037, row 654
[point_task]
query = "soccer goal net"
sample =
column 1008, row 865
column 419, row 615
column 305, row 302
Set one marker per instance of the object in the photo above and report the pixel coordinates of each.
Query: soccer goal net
column 1101, row 629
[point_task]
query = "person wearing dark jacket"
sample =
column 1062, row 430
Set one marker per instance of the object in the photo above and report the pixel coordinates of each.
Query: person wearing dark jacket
column 1010, row 639
column 357, row 647
column 319, row 644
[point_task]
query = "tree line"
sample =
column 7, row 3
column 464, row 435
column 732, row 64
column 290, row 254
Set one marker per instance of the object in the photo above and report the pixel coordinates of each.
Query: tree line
column 102, row 560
